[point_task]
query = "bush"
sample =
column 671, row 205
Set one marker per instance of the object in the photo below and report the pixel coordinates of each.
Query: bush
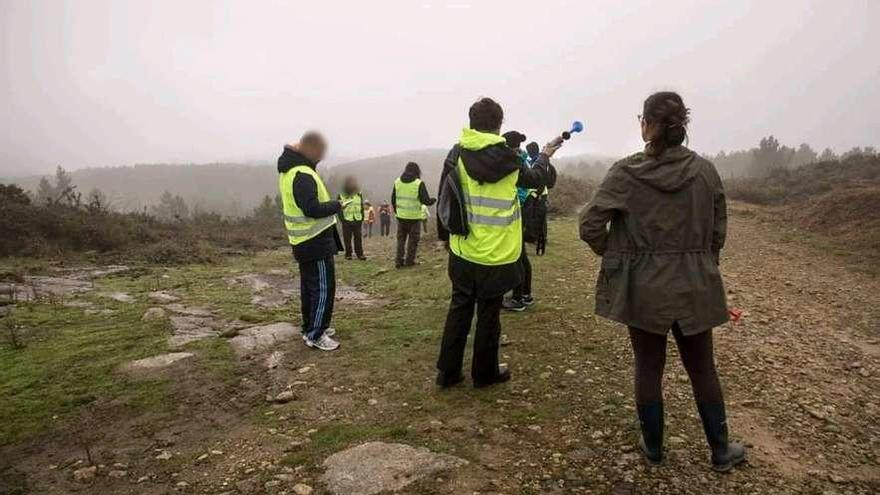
column 55, row 228
column 570, row 194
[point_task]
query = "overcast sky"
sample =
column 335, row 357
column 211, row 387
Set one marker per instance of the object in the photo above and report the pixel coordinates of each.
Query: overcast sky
column 95, row 83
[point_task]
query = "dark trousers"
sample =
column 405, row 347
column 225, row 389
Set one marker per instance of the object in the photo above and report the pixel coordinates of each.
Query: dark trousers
column 317, row 286
column 698, row 358
column 385, row 226
column 352, row 229
column 480, row 289
column 524, row 289
column 484, row 365
column 425, row 226
column 368, row 229
column 408, row 235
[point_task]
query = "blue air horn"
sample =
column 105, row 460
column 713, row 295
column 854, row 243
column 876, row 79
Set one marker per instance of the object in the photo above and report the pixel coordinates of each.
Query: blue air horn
column 576, row 126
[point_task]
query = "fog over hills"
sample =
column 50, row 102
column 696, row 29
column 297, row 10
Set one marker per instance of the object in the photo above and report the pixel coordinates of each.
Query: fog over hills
column 236, row 188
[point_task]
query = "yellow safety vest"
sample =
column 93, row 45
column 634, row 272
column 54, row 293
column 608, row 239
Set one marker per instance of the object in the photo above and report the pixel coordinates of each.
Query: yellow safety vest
column 354, row 211
column 301, row 228
column 494, row 223
column 424, row 212
column 406, row 198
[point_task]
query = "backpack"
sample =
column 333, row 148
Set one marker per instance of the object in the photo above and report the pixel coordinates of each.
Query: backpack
column 534, row 215
column 450, row 205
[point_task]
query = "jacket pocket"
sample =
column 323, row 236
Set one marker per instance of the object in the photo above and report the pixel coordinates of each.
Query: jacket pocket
column 609, row 268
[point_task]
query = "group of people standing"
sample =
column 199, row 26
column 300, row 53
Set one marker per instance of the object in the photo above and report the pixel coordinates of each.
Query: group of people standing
column 658, row 222
column 409, row 204
column 367, row 214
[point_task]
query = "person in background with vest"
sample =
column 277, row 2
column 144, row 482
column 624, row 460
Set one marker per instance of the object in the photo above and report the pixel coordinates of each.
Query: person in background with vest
column 484, row 264
column 384, row 219
column 310, row 221
column 370, row 219
column 352, row 217
column 407, row 198
column 522, row 298
column 425, row 214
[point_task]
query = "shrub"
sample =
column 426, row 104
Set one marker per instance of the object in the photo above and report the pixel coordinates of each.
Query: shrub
column 570, row 194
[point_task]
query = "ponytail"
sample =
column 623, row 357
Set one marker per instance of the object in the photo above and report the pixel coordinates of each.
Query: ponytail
column 665, row 111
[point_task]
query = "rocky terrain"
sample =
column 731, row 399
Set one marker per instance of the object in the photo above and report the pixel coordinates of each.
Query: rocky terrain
column 194, row 380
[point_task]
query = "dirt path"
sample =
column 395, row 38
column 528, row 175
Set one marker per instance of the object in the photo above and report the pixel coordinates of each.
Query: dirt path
column 801, row 372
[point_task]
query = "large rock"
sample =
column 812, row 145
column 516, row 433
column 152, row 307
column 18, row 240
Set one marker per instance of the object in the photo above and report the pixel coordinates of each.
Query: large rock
column 270, row 290
column 189, row 310
column 156, row 362
column 119, row 297
column 376, row 467
column 256, row 339
column 153, row 314
column 188, row 329
column 162, row 297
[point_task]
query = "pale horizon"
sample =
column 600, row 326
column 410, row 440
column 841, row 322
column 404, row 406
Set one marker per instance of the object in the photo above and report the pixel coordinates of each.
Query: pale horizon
column 107, row 83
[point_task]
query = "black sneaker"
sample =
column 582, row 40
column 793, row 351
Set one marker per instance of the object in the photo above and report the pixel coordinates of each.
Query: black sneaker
column 446, row 381
column 502, row 376
column 362, row 258
column 528, row 300
column 514, row 305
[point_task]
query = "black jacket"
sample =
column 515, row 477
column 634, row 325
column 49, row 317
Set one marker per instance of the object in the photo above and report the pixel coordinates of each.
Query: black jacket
column 424, row 197
column 495, row 162
column 305, row 192
column 492, row 164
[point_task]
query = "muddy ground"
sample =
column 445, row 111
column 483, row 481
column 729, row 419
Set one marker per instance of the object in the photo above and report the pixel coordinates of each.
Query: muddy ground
column 801, row 373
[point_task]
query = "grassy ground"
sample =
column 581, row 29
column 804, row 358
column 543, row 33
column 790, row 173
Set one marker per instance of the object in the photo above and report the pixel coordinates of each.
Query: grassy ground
column 564, row 424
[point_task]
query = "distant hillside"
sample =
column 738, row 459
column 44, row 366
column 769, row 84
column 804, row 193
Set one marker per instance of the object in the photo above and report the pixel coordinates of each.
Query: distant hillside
column 838, row 200
column 376, row 175
column 234, row 189
column 228, row 188
column 584, row 165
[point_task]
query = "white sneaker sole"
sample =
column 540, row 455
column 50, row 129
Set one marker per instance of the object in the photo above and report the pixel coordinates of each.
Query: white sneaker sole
column 314, row 345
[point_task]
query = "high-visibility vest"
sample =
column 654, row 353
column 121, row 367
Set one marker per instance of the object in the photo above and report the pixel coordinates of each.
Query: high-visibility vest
column 354, row 211
column 406, row 199
column 493, row 212
column 301, row 228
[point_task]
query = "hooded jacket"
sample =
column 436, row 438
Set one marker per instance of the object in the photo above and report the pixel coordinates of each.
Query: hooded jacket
column 408, row 176
column 305, row 192
column 495, row 162
column 668, row 219
column 491, row 164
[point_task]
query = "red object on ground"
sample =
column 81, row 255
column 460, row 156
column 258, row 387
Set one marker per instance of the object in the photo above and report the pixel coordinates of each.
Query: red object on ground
column 735, row 313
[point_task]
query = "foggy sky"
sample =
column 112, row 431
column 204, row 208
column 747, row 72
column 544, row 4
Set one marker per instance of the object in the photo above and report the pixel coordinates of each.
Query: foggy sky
column 95, row 83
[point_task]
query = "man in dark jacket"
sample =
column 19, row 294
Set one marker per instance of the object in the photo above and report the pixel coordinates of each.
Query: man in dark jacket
column 485, row 264
column 408, row 211
column 310, row 219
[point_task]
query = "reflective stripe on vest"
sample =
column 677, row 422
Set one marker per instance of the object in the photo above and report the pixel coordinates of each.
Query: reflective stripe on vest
column 494, row 225
column 300, row 227
column 406, row 199
column 354, row 211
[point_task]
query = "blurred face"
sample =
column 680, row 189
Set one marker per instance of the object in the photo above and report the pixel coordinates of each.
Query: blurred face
column 351, row 184
column 314, row 150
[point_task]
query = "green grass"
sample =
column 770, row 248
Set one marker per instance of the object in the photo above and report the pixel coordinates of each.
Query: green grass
column 70, row 357
column 68, row 362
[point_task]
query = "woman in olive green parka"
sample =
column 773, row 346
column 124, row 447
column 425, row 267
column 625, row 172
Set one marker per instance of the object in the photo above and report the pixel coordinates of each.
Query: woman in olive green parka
column 659, row 270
